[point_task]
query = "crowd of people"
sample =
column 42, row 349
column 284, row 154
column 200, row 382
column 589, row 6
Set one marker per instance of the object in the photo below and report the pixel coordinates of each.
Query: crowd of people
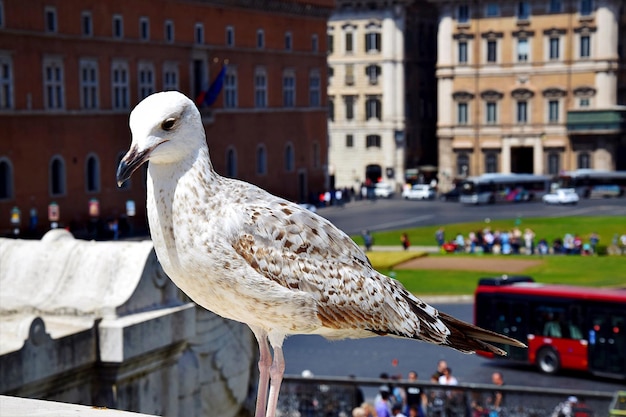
column 407, row 400
column 516, row 241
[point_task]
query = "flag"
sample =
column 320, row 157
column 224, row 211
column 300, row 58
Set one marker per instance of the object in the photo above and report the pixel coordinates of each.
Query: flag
column 209, row 96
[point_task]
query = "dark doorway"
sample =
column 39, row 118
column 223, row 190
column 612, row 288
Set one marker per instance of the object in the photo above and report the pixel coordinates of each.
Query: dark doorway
column 373, row 173
column 522, row 160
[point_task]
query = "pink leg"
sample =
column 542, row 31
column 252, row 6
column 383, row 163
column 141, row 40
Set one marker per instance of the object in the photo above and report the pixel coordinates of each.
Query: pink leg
column 276, row 372
column 265, row 361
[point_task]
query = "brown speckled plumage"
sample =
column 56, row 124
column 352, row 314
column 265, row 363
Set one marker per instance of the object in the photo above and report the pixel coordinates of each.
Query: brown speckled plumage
column 253, row 257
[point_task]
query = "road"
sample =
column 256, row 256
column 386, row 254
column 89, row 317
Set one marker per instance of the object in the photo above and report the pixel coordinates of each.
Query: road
column 397, row 213
column 370, row 357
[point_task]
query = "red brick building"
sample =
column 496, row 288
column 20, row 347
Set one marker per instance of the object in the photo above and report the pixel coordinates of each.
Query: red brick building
column 72, row 70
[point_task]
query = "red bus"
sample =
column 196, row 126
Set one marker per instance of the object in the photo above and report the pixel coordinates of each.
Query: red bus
column 564, row 327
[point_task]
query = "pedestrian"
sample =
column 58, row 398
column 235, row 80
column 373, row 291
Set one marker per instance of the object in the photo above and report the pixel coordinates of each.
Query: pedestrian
column 396, row 410
column 415, row 396
column 404, row 239
column 496, row 401
column 383, row 408
column 440, row 237
column 447, row 378
column 368, row 240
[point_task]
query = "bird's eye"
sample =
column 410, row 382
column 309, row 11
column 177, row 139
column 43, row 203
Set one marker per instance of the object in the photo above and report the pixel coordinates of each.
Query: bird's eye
column 168, row 124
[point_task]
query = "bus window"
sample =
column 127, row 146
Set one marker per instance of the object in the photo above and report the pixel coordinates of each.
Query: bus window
column 556, row 321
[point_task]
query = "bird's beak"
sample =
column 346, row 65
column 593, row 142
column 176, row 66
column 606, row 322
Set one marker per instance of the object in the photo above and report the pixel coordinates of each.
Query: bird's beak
column 129, row 163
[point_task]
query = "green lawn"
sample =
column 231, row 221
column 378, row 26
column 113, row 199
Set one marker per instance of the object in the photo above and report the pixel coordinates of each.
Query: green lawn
column 594, row 271
column 549, row 228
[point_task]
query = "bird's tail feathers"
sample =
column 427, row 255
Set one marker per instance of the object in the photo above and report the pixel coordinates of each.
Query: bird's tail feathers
column 468, row 338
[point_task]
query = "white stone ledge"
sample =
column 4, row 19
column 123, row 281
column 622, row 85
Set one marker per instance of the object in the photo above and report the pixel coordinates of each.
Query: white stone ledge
column 24, row 407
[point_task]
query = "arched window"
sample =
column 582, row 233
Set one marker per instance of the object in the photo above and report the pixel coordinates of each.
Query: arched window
column 57, row 176
column 261, row 160
column 584, row 160
column 6, row 179
column 231, row 163
column 92, row 168
column 289, row 158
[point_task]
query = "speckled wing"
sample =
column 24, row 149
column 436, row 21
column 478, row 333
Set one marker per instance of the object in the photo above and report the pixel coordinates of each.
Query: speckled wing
column 303, row 252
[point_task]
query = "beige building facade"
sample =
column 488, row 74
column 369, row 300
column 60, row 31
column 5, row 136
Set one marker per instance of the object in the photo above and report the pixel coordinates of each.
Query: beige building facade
column 529, row 87
column 381, row 99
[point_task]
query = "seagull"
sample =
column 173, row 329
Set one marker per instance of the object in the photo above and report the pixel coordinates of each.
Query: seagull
column 256, row 258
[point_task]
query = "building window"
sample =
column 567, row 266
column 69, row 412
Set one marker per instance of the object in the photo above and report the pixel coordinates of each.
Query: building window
column 170, row 76
column 315, row 91
column 373, row 108
column 260, row 88
column 317, row 160
column 89, row 84
column 372, row 42
column 349, row 141
column 92, row 168
column 315, row 44
column 462, row 165
column 461, row 113
column 57, row 176
column 555, row 6
column 585, row 46
column 522, row 112
column 6, row 82
column 289, row 89
column 584, row 160
column 522, row 50
column 53, row 83
column 349, row 42
column 463, row 13
column 169, row 31
column 554, row 44
column 331, row 109
column 50, row 14
column 199, row 33
column 260, row 38
column 373, row 72
column 145, row 80
column 230, row 36
column 586, row 7
column 491, row 162
column 87, row 23
column 261, row 160
column 349, row 101
column 523, row 10
column 462, row 52
column 119, row 81
column 349, row 74
column 289, row 158
column 584, row 102
column 554, row 163
column 231, row 163
column 330, row 43
column 288, row 41
column 144, row 28
column 491, row 110
column 372, row 141
column 118, row 26
column 492, row 10
column 230, row 88
column 1, row 14
column 6, row 179
column 553, row 111
column 492, row 50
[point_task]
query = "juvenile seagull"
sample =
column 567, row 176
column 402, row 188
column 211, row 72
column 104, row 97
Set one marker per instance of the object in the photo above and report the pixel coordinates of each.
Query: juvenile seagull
column 261, row 260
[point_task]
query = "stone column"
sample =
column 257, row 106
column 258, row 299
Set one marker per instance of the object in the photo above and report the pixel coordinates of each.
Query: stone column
column 605, row 44
column 538, row 157
column 506, row 156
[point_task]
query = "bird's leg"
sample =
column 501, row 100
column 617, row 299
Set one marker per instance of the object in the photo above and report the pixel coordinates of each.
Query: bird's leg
column 277, row 371
column 265, row 361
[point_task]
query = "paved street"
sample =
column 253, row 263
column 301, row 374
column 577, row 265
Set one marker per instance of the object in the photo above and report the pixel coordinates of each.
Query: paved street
column 370, row 357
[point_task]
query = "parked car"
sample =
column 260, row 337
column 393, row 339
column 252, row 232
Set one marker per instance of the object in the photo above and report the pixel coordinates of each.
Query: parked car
column 383, row 190
column 562, row 196
column 419, row 192
column 452, row 195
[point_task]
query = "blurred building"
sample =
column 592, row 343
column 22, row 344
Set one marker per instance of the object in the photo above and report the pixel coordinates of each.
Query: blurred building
column 71, row 71
column 382, row 91
column 530, row 86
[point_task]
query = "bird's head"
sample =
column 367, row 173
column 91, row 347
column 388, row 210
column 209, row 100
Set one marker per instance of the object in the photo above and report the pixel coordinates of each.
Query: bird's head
column 166, row 128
